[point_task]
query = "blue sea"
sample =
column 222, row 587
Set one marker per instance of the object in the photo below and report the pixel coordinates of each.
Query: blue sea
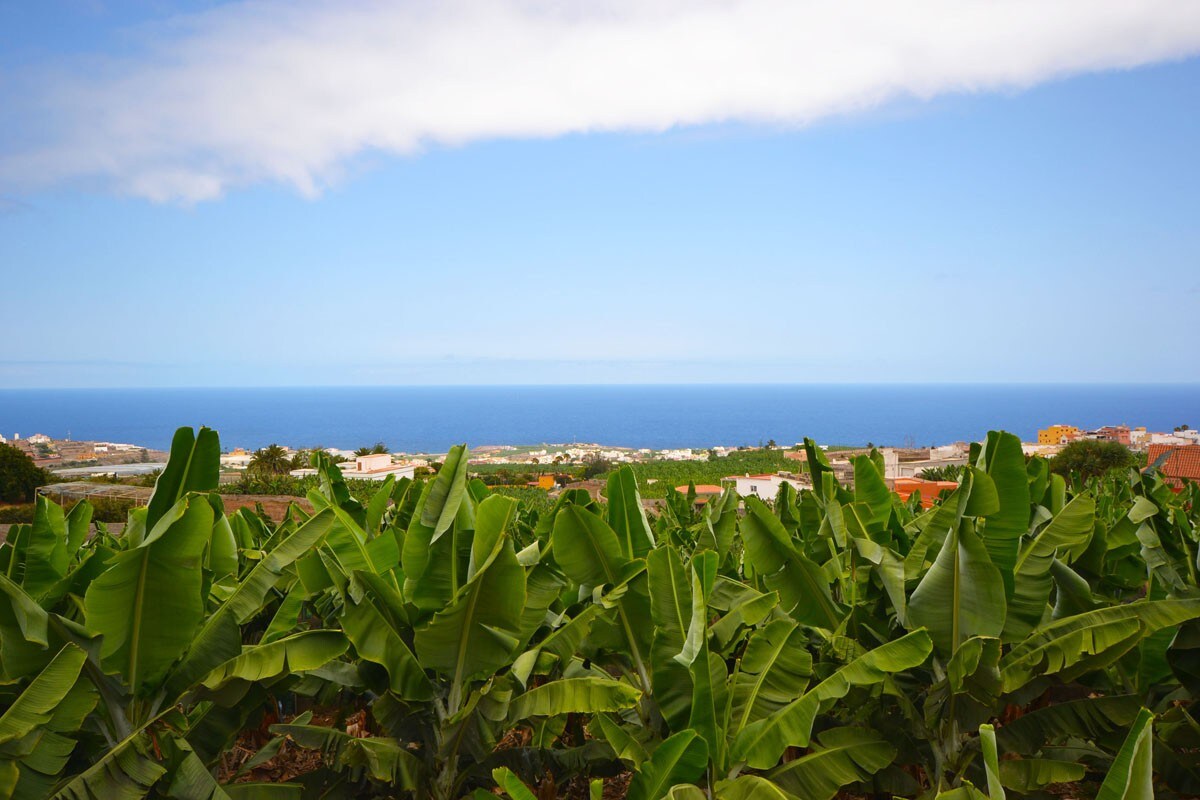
column 430, row 419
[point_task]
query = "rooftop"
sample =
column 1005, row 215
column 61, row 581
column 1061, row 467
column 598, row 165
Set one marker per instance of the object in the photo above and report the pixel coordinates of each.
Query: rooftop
column 1178, row 461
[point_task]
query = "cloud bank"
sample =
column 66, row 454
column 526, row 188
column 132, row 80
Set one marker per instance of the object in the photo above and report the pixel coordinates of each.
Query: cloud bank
column 290, row 91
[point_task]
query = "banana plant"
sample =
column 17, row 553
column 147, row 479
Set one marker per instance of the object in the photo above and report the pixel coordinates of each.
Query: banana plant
column 153, row 639
column 444, row 635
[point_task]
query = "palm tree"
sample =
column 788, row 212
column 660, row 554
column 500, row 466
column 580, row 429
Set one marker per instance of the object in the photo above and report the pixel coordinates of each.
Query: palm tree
column 270, row 460
column 378, row 449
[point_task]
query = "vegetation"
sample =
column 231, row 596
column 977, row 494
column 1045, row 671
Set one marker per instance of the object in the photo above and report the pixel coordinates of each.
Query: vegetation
column 1089, row 458
column 656, row 478
column 379, row 448
column 19, row 476
column 441, row 640
column 945, row 472
column 594, row 466
column 270, row 460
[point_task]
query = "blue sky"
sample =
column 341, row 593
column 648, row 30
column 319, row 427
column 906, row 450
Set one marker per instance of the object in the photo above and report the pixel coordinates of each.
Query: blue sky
column 1035, row 224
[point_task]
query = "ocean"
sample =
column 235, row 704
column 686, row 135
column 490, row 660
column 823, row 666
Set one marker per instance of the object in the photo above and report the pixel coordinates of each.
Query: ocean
column 430, row 419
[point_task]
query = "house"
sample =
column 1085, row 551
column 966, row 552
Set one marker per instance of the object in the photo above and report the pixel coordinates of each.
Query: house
column 930, row 490
column 39, row 438
column 1175, row 439
column 1111, row 433
column 704, row 491
column 1179, row 463
column 1058, row 434
column 373, row 467
column 765, row 486
column 955, row 450
column 701, row 489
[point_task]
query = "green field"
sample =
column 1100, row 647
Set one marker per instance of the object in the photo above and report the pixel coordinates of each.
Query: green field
column 679, row 473
column 1032, row 635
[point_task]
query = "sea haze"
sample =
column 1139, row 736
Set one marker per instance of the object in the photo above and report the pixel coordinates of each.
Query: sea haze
column 431, row 418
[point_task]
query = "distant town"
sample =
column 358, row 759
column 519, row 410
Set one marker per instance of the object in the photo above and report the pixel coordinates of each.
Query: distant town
column 554, row 467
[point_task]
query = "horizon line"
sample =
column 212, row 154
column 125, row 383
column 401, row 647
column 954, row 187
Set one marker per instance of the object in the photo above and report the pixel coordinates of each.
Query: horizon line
column 599, row 385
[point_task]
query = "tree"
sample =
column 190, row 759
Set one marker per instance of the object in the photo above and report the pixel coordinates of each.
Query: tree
column 595, row 465
column 1090, row 458
column 771, row 444
column 19, row 476
column 270, row 460
column 378, row 448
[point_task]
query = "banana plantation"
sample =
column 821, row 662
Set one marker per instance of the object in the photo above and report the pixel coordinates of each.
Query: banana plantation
column 1028, row 636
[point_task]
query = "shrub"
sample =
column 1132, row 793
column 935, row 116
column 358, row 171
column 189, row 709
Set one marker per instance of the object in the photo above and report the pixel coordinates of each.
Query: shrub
column 1089, row 458
column 19, row 476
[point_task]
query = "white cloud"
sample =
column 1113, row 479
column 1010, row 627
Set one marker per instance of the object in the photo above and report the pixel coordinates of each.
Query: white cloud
column 289, row 90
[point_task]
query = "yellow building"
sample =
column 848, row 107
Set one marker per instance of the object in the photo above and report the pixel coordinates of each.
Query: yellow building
column 545, row 482
column 1058, row 434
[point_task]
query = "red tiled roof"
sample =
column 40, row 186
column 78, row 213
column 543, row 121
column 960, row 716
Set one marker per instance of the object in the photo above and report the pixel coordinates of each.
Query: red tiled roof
column 702, row 488
column 1182, row 461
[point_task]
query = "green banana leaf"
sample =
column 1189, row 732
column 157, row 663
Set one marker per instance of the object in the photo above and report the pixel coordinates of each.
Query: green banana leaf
column 586, row 548
column 511, row 784
column 761, row 744
column 1029, row 775
column 1069, row 529
column 1004, row 462
column 149, row 603
column 126, row 772
column 1131, row 776
column 35, row 706
column 962, row 594
column 1091, row 718
column 194, row 465
column 803, row 589
column 297, row 653
column 44, row 557
column 219, row 638
column 1083, row 642
column 774, row 671
column 375, row 624
column 430, row 558
column 991, row 762
column 841, row 756
column 671, row 611
column 479, row 631
column 872, row 494
column 574, row 696
column 681, row 758
column 626, row 516
column 751, row 787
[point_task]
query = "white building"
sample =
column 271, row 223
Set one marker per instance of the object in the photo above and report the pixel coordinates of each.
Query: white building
column 239, row 460
column 891, row 463
column 682, row 455
column 374, row 467
column 956, row 450
column 39, row 438
column 1178, row 438
column 765, row 486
